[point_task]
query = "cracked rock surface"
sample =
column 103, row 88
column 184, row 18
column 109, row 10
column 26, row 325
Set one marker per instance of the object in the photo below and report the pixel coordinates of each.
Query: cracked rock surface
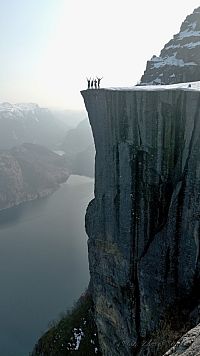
column 144, row 222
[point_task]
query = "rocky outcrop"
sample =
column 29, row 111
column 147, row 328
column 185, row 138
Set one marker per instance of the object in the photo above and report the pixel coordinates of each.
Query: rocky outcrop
column 179, row 60
column 29, row 172
column 144, row 222
column 188, row 345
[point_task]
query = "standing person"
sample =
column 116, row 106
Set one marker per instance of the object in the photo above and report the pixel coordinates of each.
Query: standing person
column 95, row 84
column 92, row 82
column 98, row 80
column 88, row 82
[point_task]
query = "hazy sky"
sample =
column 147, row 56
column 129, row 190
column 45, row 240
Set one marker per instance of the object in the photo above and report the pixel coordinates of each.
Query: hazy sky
column 48, row 47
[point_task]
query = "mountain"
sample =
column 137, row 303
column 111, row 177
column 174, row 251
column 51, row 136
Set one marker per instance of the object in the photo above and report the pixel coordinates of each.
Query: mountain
column 21, row 123
column 143, row 227
column 179, row 60
column 29, row 172
column 143, row 224
column 79, row 148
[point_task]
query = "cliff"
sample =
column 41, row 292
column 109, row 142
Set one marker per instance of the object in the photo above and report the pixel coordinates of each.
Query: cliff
column 29, row 172
column 179, row 60
column 143, row 224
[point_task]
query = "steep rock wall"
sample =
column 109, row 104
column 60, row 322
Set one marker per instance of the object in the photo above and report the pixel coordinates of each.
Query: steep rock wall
column 143, row 224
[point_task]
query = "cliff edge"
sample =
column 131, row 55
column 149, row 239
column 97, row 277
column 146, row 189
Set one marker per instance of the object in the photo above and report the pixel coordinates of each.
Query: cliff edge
column 143, row 224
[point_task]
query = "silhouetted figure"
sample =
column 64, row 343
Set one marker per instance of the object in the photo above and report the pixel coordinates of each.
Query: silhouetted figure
column 95, row 84
column 88, row 82
column 92, row 82
column 98, row 81
column 189, row 86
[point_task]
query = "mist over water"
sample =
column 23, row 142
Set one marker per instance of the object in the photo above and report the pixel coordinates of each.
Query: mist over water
column 43, row 263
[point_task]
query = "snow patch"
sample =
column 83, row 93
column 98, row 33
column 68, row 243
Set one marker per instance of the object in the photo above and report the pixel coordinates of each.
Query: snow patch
column 158, row 62
column 78, row 334
column 184, row 86
column 158, row 81
column 27, row 106
column 173, row 46
column 188, row 33
column 20, row 111
column 192, row 44
column 187, row 45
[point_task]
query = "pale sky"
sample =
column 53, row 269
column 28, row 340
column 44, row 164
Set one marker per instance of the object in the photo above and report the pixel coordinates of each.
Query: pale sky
column 48, row 47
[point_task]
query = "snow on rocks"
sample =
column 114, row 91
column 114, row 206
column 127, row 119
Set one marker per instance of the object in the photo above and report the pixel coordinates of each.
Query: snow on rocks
column 19, row 111
column 151, row 87
column 78, row 334
column 158, row 62
column 180, row 56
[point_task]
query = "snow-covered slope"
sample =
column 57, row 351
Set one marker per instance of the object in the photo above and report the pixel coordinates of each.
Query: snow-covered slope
column 179, row 60
column 151, row 87
column 21, row 111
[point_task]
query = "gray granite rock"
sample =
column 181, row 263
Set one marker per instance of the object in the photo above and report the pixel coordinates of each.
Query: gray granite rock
column 144, row 222
column 188, row 345
column 179, row 60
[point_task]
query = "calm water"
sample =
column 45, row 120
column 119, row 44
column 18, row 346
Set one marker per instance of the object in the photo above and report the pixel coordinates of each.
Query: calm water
column 43, row 263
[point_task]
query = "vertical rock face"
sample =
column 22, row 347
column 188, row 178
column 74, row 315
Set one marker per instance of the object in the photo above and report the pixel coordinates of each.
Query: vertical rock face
column 144, row 222
column 179, row 60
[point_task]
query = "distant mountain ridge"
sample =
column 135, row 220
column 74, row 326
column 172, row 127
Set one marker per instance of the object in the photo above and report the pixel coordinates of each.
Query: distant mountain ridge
column 179, row 60
column 28, row 122
column 19, row 108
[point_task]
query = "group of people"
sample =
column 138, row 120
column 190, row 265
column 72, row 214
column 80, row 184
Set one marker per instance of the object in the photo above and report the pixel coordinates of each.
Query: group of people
column 94, row 83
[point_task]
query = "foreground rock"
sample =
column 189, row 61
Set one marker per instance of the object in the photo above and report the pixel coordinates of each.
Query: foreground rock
column 188, row 345
column 29, row 172
column 179, row 60
column 144, row 222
